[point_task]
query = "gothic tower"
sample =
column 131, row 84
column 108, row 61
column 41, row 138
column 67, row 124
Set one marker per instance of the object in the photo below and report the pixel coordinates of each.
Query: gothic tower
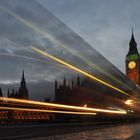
column 133, row 62
column 78, row 81
column 23, row 91
column 1, row 95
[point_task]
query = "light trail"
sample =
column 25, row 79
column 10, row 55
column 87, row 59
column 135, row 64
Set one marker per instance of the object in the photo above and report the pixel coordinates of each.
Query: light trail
column 30, row 58
column 56, row 41
column 47, row 111
column 78, row 70
column 30, row 102
column 94, row 66
column 129, row 102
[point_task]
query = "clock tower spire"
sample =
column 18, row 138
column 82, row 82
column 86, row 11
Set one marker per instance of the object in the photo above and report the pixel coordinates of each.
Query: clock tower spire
column 132, row 46
column 133, row 61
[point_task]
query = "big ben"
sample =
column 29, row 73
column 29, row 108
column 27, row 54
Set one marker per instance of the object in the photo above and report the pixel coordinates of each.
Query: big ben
column 133, row 62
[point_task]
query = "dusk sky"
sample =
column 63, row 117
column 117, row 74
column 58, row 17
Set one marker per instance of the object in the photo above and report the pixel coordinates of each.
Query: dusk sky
column 106, row 25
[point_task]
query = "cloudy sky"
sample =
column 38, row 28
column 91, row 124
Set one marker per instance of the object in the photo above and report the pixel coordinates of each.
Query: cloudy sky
column 104, row 25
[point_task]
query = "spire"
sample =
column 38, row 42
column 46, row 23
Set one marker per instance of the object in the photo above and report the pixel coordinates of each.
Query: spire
column 133, row 38
column 72, row 84
column 132, row 30
column 55, row 85
column 1, row 93
column 23, row 91
column 23, row 78
column 132, row 45
column 64, row 83
column 23, row 82
column 8, row 93
column 78, row 81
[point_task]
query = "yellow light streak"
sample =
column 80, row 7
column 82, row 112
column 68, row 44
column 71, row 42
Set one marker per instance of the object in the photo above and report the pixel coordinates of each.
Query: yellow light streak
column 30, row 102
column 78, row 70
column 48, row 111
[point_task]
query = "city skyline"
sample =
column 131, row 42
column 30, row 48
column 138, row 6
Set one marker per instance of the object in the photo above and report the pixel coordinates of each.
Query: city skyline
column 17, row 36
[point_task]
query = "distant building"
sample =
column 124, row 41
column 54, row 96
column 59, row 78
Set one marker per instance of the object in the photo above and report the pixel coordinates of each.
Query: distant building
column 1, row 95
column 86, row 92
column 81, row 92
column 65, row 93
column 132, row 62
column 22, row 116
column 22, row 92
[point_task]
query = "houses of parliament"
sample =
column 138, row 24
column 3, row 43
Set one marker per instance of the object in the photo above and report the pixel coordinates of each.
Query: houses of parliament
column 21, row 93
column 76, row 92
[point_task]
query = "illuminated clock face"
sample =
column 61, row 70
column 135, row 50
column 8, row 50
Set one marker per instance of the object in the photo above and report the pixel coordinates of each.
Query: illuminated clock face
column 131, row 64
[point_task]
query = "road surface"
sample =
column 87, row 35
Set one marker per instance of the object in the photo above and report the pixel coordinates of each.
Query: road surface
column 71, row 132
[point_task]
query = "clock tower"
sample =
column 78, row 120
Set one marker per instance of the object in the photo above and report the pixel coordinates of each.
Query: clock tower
column 133, row 62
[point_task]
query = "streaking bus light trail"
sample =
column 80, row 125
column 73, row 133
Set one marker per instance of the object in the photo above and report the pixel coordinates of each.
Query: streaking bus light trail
column 78, row 70
column 30, row 102
column 47, row 111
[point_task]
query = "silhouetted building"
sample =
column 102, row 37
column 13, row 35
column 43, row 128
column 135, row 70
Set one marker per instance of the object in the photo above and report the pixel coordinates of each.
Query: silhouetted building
column 133, row 62
column 85, row 91
column 77, row 93
column 20, row 116
column 22, row 93
column 1, row 95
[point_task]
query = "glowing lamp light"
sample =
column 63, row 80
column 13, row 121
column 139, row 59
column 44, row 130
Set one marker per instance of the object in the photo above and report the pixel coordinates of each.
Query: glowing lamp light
column 129, row 102
column 85, row 106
